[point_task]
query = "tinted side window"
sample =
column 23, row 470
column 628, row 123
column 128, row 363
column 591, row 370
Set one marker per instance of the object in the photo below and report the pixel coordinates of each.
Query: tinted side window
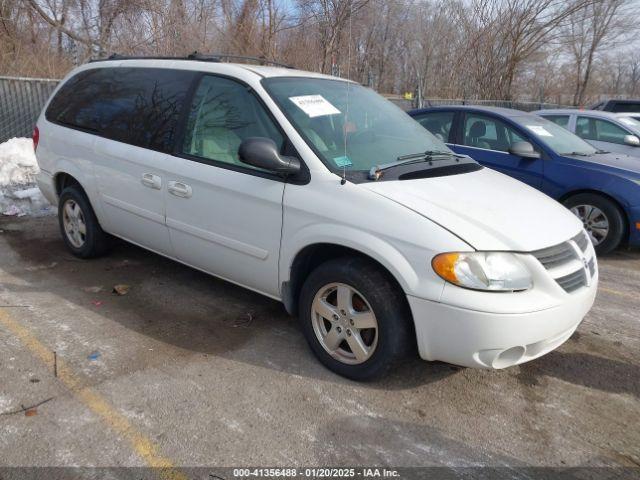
column 626, row 107
column 140, row 106
column 585, row 128
column 600, row 130
column 438, row 123
column 562, row 120
column 72, row 104
column 610, row 132
column 223, row 113
column 490, row 133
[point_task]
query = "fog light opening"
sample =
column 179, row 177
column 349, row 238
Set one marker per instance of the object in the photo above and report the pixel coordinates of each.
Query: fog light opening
column 508, row 357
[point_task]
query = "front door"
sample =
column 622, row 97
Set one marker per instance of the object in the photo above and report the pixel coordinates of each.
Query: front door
column 224, row 216
column 487, row 140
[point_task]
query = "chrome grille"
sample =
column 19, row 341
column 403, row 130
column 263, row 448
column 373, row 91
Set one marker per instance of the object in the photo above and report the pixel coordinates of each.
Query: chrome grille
column 554, row 256
column 573, row 281
column 582, row 241
column 559, row 258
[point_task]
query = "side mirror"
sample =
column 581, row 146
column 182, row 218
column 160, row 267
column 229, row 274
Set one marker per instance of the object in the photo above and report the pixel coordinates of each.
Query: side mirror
column 524, row 150
column 632, row 140
column 263, row 153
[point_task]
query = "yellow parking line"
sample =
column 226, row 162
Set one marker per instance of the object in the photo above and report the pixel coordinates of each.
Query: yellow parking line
column 142, row 445
column 620, row 294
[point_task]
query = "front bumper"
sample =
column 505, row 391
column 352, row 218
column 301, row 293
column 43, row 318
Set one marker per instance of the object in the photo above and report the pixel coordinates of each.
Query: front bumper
column 496, row 340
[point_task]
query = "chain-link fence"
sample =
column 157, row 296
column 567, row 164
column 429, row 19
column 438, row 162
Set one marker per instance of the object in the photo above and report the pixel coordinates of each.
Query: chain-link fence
column 21, row 100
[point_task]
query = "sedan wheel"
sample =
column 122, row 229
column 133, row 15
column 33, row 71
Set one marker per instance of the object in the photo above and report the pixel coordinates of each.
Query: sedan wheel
column 344, row 323
column 594, row 220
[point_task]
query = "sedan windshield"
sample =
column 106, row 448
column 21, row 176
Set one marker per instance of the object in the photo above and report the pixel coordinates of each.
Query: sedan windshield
column 349, row 126
column 630, row 123
column 559, row 139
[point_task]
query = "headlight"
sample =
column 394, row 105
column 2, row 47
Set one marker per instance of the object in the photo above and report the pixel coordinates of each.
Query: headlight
column 493, row 271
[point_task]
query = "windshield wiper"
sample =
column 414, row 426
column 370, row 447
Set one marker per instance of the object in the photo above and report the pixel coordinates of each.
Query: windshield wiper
column 428, row 153
column 600, row 152
column 577, row 154
column 428, row 156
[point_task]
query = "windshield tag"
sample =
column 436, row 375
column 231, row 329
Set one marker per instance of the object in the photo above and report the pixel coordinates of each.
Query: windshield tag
column 539, row 130
column 314, row 105
column 342, row 161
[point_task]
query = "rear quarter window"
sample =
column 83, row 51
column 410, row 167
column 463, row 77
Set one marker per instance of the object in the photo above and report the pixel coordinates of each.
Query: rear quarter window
column 139, row 106
column 439, row 123
column 562, row 120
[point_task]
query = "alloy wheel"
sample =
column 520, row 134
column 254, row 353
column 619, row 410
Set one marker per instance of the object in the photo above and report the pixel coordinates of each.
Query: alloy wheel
column 75, row 227
column 344, row 323
column 594, row 220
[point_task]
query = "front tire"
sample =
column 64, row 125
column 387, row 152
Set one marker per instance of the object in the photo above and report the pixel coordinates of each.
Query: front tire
column 79, row 226
column 355, row 319
column 601, row 218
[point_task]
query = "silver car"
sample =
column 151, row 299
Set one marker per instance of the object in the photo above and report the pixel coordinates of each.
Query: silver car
column 612, row 132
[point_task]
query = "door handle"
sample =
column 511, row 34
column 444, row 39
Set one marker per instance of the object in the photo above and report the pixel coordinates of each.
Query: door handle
column 179, row 189
column 152, row 181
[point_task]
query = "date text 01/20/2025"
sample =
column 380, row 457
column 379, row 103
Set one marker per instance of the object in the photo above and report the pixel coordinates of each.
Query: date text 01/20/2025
column 315, row 472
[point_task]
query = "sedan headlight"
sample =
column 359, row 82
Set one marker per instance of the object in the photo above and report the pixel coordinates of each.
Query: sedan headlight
column 492, row 271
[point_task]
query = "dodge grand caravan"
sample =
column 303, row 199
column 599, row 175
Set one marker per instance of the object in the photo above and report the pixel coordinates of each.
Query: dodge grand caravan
column 316, row 192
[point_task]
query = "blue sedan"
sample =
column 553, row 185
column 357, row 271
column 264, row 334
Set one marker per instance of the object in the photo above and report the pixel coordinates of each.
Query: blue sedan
column 602, row 189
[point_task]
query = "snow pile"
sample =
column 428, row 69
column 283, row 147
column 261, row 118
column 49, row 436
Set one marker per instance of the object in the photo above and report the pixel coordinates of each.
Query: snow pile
column 19, row 194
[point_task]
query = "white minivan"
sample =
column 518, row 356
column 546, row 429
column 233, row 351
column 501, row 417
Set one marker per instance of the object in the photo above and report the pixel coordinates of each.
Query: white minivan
column 319, row 193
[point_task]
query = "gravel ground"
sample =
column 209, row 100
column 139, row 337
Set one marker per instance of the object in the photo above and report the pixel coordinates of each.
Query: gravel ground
column 186, row 370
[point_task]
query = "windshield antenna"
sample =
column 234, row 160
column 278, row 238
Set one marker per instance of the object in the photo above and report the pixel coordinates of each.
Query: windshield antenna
column 346, row 115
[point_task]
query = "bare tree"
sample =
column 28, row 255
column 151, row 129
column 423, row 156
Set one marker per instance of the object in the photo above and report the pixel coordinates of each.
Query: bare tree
column 331, row 18
column 58, row 23
column 592, row 27
column 474, row 49
column 634, row 74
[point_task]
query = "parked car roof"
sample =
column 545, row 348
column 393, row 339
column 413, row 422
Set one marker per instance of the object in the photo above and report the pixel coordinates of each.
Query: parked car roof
column 570, row 111
column 618, row 118
column 613, row 104
column 617, row 100
column 505, row 112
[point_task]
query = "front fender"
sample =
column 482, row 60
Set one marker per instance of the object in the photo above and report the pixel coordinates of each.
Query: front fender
column 564, row 178
column 424, row 284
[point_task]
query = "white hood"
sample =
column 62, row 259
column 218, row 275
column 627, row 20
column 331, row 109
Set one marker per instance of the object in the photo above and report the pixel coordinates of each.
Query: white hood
column 488, row 210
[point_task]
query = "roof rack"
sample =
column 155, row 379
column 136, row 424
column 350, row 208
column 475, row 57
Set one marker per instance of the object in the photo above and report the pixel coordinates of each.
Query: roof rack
column 200, row 57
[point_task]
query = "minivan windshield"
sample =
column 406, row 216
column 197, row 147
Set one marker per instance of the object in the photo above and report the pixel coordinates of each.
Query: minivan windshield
column 349, row 126
column 560, row 140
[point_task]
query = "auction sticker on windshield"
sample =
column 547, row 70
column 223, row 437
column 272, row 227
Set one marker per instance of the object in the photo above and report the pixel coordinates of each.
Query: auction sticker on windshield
column 314, row 105
column 539, row 130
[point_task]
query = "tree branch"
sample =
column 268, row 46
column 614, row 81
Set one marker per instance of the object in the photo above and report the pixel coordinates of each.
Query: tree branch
column 57, row 25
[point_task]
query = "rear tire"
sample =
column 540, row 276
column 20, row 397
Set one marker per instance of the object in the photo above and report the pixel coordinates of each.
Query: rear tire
column 596, row 212
column 370, row 329
column 79, row 226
